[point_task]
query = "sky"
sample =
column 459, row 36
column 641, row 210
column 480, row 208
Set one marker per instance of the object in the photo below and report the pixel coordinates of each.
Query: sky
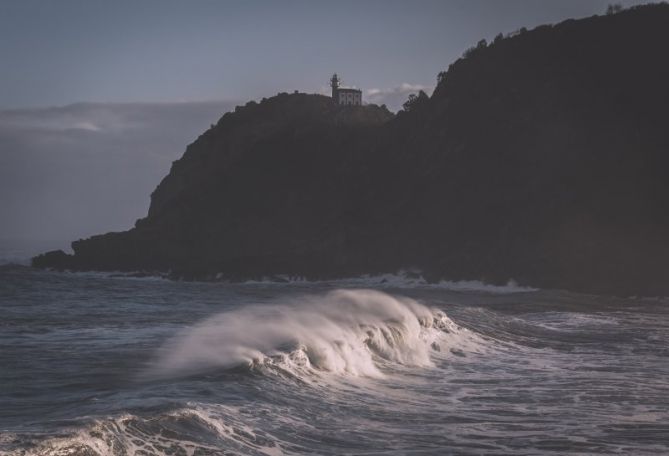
column 97, row 98
column 67, row 51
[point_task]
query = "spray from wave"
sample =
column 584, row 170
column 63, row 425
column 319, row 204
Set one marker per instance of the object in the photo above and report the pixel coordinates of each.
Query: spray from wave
column 350, row 332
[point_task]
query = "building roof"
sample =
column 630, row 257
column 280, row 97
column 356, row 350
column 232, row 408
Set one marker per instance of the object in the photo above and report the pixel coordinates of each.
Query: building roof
column 349, row 90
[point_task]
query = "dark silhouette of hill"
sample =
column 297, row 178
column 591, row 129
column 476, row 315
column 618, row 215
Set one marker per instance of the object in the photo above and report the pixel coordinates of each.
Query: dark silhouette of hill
column 541, row 157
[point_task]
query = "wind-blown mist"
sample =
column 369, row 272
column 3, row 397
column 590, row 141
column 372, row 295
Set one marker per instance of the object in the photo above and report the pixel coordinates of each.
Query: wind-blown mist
column 343, row 332
column 83, row 169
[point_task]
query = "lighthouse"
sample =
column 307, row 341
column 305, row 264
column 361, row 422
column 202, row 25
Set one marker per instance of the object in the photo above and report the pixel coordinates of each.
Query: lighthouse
column 344, row 95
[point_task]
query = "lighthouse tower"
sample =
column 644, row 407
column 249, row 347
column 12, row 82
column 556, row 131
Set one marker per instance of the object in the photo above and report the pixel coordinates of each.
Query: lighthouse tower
column 334, row 83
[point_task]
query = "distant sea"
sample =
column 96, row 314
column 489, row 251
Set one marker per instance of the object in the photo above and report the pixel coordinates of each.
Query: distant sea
column 20, row 251
column 101, row 364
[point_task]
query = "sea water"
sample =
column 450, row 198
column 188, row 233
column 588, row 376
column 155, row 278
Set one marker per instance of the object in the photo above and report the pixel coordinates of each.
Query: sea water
column 100, row 364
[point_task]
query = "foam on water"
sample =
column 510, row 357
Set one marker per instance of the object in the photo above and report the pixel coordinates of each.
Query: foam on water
column 193, row 430
column 402, row 279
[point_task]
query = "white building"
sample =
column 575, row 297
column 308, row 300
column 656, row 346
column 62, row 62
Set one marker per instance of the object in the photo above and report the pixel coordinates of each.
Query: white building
column 344, row 96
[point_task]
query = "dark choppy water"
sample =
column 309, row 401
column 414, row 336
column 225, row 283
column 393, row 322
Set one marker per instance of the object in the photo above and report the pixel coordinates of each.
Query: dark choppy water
column 91, row 364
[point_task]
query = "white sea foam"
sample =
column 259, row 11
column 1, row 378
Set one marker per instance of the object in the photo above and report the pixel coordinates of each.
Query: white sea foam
column 171, row 433
column 351, row 332
column 402, row 279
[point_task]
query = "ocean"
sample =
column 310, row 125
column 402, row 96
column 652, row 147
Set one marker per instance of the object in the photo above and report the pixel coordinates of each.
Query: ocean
column 102, row 364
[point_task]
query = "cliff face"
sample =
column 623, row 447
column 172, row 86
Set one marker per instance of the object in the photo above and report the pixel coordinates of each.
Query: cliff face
column 541, row 157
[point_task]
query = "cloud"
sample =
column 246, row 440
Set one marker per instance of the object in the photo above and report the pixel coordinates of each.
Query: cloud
column 394, row 97
column 86, row 126
column 77, row 170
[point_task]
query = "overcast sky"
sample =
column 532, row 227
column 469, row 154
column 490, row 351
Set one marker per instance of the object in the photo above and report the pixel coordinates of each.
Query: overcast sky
column 66, row 51
column 154, row 74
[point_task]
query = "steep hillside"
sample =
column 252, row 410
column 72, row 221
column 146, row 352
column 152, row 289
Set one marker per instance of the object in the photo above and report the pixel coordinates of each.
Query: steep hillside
column 541, row 157
column 544, row 157
column 262, row 191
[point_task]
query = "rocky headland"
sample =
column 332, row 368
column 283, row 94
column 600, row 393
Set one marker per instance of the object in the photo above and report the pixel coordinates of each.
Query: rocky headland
column 542, row 156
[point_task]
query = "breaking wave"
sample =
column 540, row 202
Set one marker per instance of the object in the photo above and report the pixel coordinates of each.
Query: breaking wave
column 197, row 429
column 343, row 334
column 348, row 332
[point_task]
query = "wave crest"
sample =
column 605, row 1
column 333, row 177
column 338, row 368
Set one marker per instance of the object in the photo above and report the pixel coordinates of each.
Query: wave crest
column 353, row 332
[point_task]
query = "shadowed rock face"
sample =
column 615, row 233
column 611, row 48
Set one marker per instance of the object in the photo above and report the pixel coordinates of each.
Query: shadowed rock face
column 542, row 157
